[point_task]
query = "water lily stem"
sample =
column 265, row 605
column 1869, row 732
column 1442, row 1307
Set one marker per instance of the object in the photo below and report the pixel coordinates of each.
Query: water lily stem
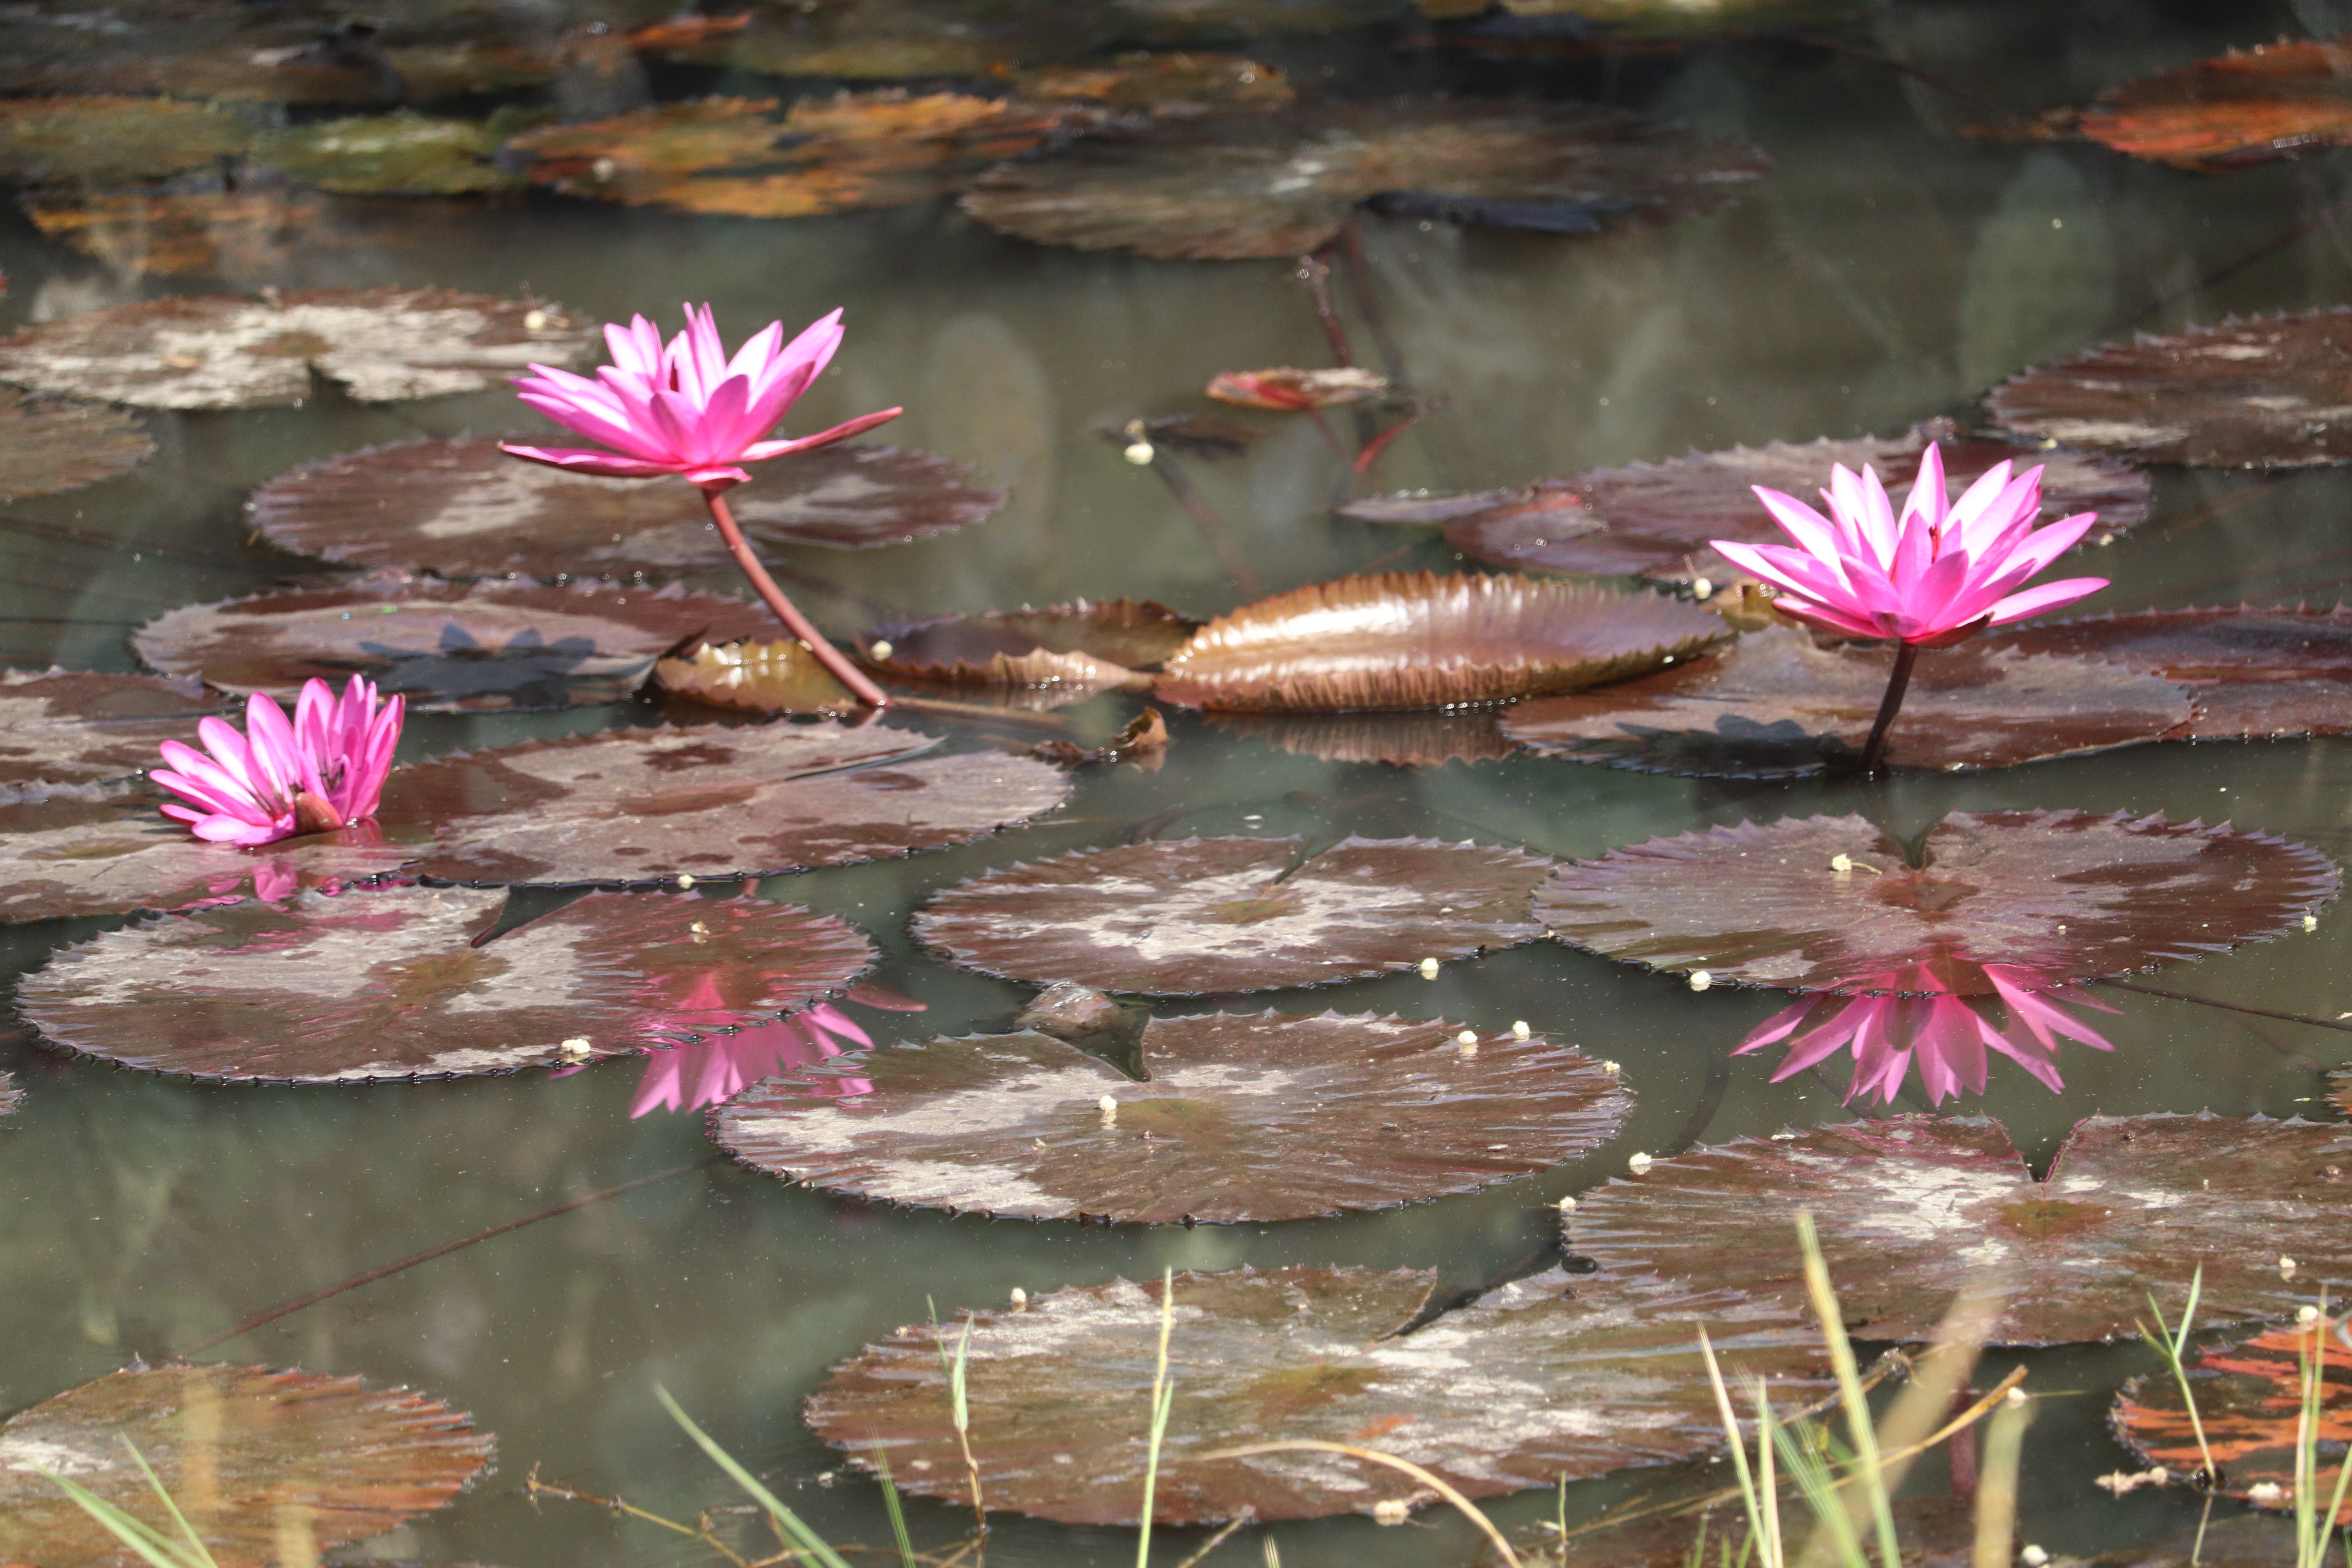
column 832, row 657
column 1874, row 752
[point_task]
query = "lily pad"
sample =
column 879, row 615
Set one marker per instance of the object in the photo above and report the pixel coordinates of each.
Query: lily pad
column 1185, row 916
column 226, row 351
column 74, row 727
column 1543, row 1378
column 399, row 153
column 1240, row 1117
column 2285, row 669
column 2243, row 107
column 12, row 1099
column 2265, row 393
column 887, row 40
column 754, row 676
column 1914, row 1209
column 447, row 646
column 1407, row 640
column 1775, row 706
column 1082, row 647
column 396, row 984
column 47, row 444
column 2074, row 895
column 1237, row 185
column 465, row 508
column 102, row 139
column 2250, row 1408
column 206, row 233
column 239, row 1448
column 1162, row 84
column 1398, row 739
column 1686, row 19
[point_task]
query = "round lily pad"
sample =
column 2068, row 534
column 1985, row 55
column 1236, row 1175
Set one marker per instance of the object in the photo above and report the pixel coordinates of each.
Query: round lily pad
column 396, row 984
column 104, row 139
column 2283, row 669
column 447, row 646
column 1398, row 739
column 1413, row 639
column 49, row 444
column 780, row 676
column 73, row 727
column 2243, row 107
column 1548, row 1377
column 1184, row 916
column 2249, row 1410
column 172, row 233
column 2071, row 894
column 2265, row 393
column 1914, row 1209
column 1235, row 185
column 1082, row 647
column 1240, row 1117
column 399, row 153
column 464, row 509
column 1774, row 706
column 227, row 351
column 239, row 1448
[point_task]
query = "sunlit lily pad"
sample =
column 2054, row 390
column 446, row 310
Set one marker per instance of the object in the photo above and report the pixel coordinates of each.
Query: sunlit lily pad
column 239, row 1448
column 1237, row 185
column 2074, row 895
column 2243, row 107
column 1184, row 916
column 1548, row 1377
column 389, row 984
column 1775, row 706
column 1914, row 1209
column 112, row 141
column 2263, row 392
column 399, row 153
column 1400, row 740
column 2283, row 669
column 2249, row 1410
column 1406, row 639
column 1166, row 84
column 204, row 233
column 1080, row 647
column 226, row 351
column 1240, row 1117
column 465, row 508
column 74, row 727
column 49, row 444
column 755, row 675
column 447, row 646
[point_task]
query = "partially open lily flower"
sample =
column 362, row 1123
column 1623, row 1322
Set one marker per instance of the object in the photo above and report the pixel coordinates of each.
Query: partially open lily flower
column 323, row 771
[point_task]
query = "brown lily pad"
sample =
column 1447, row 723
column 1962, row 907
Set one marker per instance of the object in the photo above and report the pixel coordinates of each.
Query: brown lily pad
column 1775, row 706
column 49, row 444
column 74, row 727
column 207, row 233
column 239, row 1448
column 1544, row 1378
column 227, row 351
column 1082, row 647
column 102, row 139
column 754, row 676
column 1237, row 185
column 1184, row 916
column 887, row 40
column 1162, row 84
column 2265, row 393
column 464, row 509
column 399, row 153
column 1285, row 389
column 1398, row 739
column 392, row 984
column 2283, row 669
column 447, row 646
column 1914, row 1209
column 2072, row 895
column 2249, row 1410
column 2243, row 107
column 1239, row 1118
column 1413, row 639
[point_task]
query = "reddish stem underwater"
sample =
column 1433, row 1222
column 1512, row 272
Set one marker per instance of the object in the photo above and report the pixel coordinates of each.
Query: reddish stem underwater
column 832, row 657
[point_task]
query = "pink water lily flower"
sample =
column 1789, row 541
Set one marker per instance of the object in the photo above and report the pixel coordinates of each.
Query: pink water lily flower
column 322, row 772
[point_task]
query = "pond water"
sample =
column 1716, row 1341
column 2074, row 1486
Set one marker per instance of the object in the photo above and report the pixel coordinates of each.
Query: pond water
column 1886, row 269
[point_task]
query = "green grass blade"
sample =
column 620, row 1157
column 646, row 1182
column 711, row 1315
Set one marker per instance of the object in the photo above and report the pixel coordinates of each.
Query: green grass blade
column 898, row 1514
column 153, row 1548
column 807, row 1539
column 1850, row 1394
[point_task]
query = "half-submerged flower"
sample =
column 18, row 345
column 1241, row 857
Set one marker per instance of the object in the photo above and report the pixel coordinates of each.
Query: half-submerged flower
column 323, row 771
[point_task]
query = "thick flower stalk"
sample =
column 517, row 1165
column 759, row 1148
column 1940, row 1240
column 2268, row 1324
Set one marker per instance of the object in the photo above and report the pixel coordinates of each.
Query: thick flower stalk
column 1936, row 575
column 684, row 407
column 323, row 771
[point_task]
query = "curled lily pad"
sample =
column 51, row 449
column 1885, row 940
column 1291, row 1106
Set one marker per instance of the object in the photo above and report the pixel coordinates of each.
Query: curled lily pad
column 447, row 646
column 226, row 351
column 1235, row 185
column 2249, row 1415
column 103, row 140
column 1407, row 640
column 1183, row 917
column 247, row 1453
column 1544, row 1378
column 1774, row 706
column 49, row 444
column 778, row 677
column 1914, row 1209
column 74, row 727
column 2243, row 107
column 169, row 233
column 1400, row 740
column 1287, row 389
column 397, row 983
column 2283, row 669
column 402, row 153
column 465, row 508
column 1239, row 1117
column 1082, row 646
column 1819, row 903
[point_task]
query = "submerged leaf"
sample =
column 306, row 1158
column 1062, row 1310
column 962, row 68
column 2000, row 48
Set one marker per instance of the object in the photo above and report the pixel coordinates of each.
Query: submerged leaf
column 1398, row 739
column 47, row 444
column 778, row 677
column 223, row 233
column 2285, row 669
column 1080, row 647
column 2243, row 107
column 2250, row 1410
column 1168, row 84
column 399, row 153
column 102, row 140
column 77, row 727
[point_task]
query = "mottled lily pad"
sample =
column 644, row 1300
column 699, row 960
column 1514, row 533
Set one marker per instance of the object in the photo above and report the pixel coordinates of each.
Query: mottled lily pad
column 2071, row 894
column 239, row 1448
column 1400, row 740
column 1240, row 1117
column 74, row 727
column 465, row 508
column 1080, row 647
column 1184, row 916
column 203, row 233
column 1235, row 186
column 2250, row 1408
column 100, row 139
column 2283, row 669
column 780, row 676
column 390, row 984
column 447, row 646
column 49, row 444
column 1413, row 639
column 1547, row 1377
column 2243, row 107
column 1775, row 706
column 1913, row 1209
column 399, row 153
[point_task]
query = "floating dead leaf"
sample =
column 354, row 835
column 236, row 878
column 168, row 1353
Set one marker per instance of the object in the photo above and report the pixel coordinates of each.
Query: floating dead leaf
column 2068, row 893
column 248, row 1454
column 49, row 444
column 1184, row 916
column 103, row 140
column 1295, row 391
column 390, row 984
column 212, row 233
column 1235, row 185
column 1080, row 647
column 2285, row 669
column 1169, row 84
column 1543, row 1378
column 226, row 351
column 62, row 727
column 2265, row 393
column 1914, row 1209
column 399, row 153
column 447, row 646
column 12, row 1099
column 1413, row 639
column 2249, row 1413
column 2243, row 107
column 465, row 508
column 1143, row 740
column 1398, row 739
column 1773, row 705
column 778, row 677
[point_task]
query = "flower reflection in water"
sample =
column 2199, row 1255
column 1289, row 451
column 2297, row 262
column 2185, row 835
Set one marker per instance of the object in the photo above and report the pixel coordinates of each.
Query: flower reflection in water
column 688, row 1078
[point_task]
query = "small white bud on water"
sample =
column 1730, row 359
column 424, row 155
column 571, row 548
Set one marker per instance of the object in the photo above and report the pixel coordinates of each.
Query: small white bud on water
column 2033, row 1557
column 1639, row 1165
column 2016, row 1396
column 2286, row 1267
column 2311, row 922
column 1139, row 453
column 2265, row 1492
column 1020, row 1297
column 2306, row 1314
column 1842, row 864
column 686, row 879
column 1700, row 980
column 534, row 320
column 880, row 648
column 1701, row 588
column 1390, row 1511
column 1108, row 1106
column 1519, row 1031
column 604, row 169
column 1466, row 1038
column 1428, row 969
column 577, row 1046
column 1609, row 1067
column 1568, row 1206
